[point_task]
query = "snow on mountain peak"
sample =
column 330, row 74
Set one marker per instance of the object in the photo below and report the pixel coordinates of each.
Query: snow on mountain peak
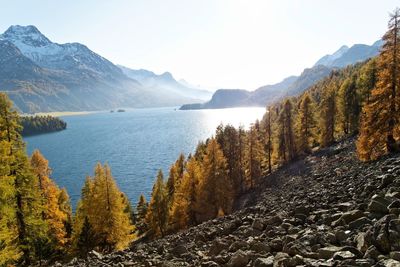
column 28, row 35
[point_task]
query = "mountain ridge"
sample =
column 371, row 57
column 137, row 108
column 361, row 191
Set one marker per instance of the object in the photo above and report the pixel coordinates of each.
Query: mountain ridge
column 292, row 85
column 40, row 76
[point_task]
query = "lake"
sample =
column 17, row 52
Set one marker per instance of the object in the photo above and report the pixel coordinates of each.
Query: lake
column 136, row 144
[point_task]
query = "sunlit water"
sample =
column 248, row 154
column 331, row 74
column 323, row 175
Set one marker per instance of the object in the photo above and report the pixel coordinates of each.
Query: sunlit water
column 136, row 144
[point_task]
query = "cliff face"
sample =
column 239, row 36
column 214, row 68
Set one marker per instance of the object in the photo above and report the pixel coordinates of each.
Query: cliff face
column 328, row 209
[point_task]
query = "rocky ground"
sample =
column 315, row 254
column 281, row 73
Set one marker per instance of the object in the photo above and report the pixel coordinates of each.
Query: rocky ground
column 326, row 210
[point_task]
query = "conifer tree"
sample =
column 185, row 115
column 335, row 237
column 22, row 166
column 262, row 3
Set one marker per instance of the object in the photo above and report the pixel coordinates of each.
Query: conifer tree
column 268, row 138
column 157, row 213
column 24, row 196
column 379, row 131
column 175, row 177
column 254, row 157
column 141, row 209
column 286, row 144
column 183, row 213
column 367, row 80
column 232, row 145
column 109, row 221
column 328, row 115
column 305, row 125
column 349, row 106
column 103, row 206
column 10, row 251
column 214, row 194
column 83, row 237
column 56, row 216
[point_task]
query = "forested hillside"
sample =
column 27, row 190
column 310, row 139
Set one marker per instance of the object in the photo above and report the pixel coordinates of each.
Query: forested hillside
column 32, row 125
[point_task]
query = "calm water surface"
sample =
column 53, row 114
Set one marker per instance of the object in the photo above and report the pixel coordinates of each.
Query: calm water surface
column 136, row 144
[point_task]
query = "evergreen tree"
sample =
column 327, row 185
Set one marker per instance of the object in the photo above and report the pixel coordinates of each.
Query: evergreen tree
column 328, row 116
column 367, row 80
column 379, row 131
column 254, row 157
column 286, row 145
column 214, row 194
column 109, row 220
column 349, row 106
column 175, row 177
column 157, row 214
column 268, row 138
column 141, row 209
column 24, row 195
column 183, row 213
column 104, row 208
column 305, row 125
column 232, row 145
column 55, row 215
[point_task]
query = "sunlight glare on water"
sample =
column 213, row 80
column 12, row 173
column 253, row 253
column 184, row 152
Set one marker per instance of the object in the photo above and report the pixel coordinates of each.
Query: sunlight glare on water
column 136, row 144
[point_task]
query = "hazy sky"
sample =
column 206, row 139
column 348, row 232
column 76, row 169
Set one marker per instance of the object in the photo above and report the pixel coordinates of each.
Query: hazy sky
column 214, row 43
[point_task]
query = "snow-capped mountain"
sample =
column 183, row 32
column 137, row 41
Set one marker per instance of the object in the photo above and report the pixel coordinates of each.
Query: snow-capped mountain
column 40, row 75
column 37, row 47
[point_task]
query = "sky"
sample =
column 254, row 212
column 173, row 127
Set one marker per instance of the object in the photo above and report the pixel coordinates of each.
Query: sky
column 212, row 43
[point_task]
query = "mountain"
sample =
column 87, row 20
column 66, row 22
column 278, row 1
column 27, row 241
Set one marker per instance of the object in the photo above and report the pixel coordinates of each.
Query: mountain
column 328, row 59
column 346, row 56
column 40, row 75
column 165, row 82
column 227, row 98
column 292, row 85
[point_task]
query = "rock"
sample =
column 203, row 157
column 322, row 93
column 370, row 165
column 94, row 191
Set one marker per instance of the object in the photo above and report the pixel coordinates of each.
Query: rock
column 360, row 222
column 238, row 259
column 378, row 205
column 387, row 179
column 340, row 235
column 258, row 225
column 95, row 254
column 395, row 255
column 343, row 255
column 372, row 253
column 273, row 221
column 217, row 246
column 363, row 241
column 240, row 244
column 179, row 250
column 352, row 215
column 209, row 264
column 390, row 263
column 276, row 245
column 395, row 204
column 283, row 259
column 260, row 247
column 328, row 252
column 264, row 262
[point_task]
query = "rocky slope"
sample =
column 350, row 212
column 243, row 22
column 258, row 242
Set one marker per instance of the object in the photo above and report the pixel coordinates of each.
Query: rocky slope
column 325, row 210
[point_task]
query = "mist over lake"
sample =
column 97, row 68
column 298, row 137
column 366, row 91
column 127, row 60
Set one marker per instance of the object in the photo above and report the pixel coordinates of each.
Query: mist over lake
column 136, row 144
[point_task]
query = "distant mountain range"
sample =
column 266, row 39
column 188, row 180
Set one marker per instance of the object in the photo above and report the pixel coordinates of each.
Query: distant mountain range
column 40, row 75
column 290, row 86
column 165, row 82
